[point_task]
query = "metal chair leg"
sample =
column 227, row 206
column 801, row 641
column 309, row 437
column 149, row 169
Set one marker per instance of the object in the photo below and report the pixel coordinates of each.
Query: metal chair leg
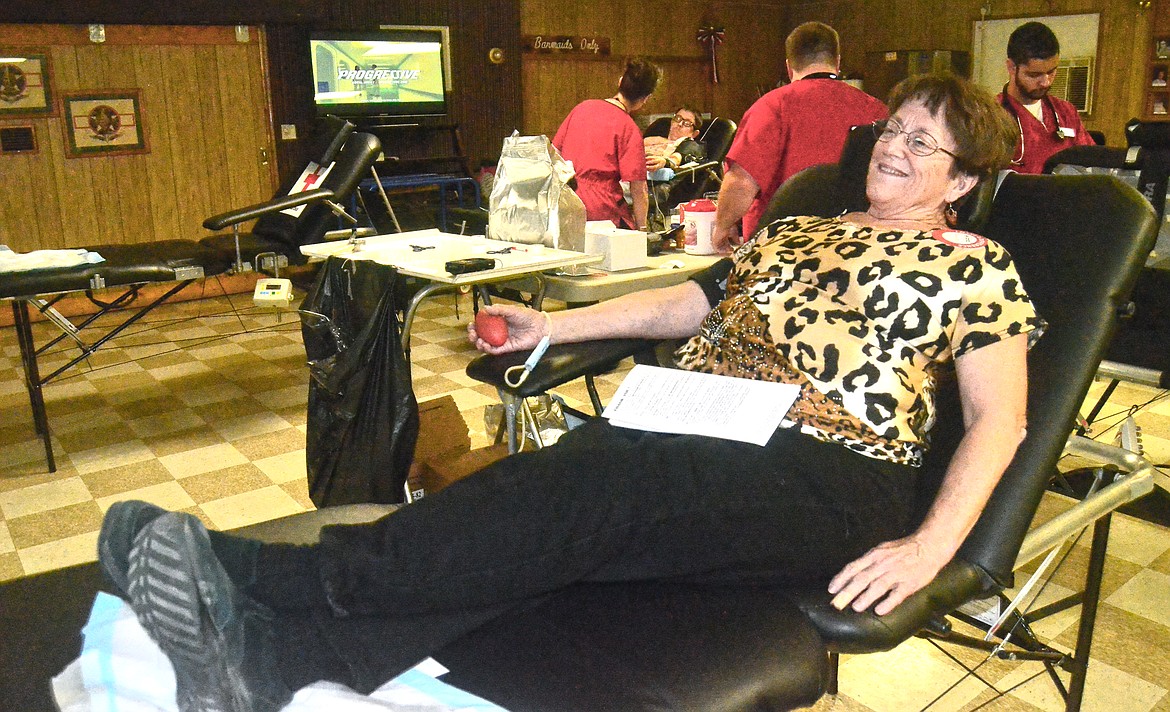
column 1092, row 596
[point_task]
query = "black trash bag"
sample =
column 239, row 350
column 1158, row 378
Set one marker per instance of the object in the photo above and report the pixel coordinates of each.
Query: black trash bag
column 363, row 416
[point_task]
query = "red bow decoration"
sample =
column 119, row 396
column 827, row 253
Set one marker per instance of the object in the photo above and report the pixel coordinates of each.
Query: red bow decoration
column 711, row 37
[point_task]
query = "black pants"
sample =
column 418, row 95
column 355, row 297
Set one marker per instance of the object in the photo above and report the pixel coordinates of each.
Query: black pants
column 604, row 504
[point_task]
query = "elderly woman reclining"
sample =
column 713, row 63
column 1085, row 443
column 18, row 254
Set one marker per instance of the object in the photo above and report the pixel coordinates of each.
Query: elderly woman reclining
column 865, row 312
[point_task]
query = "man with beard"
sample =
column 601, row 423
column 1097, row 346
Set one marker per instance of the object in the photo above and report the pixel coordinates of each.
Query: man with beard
column 1046, row 124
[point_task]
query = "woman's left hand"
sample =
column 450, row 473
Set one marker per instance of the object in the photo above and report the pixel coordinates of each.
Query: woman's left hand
column 887, row 574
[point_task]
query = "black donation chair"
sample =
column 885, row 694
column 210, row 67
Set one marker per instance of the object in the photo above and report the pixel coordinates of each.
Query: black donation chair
column 664, row 645
column 131, row 267
column 1104, row 230
column 294, row 219
column 695, row 179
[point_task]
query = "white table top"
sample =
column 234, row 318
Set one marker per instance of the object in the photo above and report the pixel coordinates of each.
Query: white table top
column 439, row 248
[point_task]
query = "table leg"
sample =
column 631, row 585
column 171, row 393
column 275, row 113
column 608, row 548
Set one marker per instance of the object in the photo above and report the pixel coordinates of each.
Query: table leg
column 412, row 309
column 538, row 295
column 32, row 377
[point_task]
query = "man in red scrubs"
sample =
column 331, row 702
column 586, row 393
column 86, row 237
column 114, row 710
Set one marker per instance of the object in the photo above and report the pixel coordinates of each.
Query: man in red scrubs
column 1047, row 124
column 791, row 128
column 605, row 146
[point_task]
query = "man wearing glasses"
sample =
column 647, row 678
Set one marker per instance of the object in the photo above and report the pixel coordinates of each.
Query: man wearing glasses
column 801, row 124
column 679, row 146
column 1046, row 123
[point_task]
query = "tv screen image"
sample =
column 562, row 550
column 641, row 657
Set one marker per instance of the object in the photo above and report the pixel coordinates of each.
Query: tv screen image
column 392, row 73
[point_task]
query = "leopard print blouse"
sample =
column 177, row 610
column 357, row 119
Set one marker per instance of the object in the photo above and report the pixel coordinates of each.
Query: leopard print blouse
column 865, row 321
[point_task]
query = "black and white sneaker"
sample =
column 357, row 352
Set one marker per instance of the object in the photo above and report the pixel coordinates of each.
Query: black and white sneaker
column 120, row 528
column 219, row 640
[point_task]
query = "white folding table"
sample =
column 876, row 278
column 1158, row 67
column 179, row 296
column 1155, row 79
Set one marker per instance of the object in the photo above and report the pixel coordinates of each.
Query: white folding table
column 423, row 254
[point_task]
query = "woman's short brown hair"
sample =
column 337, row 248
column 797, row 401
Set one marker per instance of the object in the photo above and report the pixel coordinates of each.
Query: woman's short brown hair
column 640, row 79
column 984, row 134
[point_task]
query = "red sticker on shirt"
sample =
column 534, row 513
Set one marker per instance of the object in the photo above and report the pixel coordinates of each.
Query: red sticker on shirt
column 959, row 238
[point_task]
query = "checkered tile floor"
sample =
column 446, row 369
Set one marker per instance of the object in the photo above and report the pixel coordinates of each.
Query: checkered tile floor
column 203, row 410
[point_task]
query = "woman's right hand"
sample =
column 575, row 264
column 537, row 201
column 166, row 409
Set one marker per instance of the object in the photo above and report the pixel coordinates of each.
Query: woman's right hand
column 725, row 239
column 526, row 327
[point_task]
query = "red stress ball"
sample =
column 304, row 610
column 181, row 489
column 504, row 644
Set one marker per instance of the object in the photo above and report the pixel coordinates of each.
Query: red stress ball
column 491, row 328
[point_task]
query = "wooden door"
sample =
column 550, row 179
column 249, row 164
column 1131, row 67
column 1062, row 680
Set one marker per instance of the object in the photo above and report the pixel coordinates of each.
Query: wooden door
column 205, row 116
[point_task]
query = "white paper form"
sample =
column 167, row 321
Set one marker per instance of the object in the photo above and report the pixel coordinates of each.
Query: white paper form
column 667, row 400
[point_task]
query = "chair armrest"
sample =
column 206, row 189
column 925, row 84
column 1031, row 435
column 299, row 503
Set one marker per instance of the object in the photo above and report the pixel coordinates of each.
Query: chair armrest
column 960, row 581
column 561, row 363
column 693, row 168
column 345, row 234
column 239, row 215
column 848, row 631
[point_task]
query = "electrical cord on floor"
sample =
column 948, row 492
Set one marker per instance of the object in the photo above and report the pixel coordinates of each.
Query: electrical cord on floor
column 1121, row 415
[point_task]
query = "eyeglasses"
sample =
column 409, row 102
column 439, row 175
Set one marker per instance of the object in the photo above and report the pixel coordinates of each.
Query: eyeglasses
column 919, row 142
column 683, row 122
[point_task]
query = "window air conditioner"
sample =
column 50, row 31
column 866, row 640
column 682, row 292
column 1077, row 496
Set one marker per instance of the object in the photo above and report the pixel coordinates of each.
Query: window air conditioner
column 1074, row 83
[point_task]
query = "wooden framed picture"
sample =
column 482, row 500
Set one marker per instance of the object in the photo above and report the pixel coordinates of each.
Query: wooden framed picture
column 1158, row 75
column 26, row 87
column 103, row 123
column 1159, row 104
column 1162, row 48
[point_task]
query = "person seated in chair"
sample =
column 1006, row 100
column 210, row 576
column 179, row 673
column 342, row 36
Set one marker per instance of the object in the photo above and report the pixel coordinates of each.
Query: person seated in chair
column 664, row 154
column 867, row 313
column 680, row 145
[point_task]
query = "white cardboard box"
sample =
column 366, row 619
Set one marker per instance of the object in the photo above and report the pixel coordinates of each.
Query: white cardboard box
column 620, row 249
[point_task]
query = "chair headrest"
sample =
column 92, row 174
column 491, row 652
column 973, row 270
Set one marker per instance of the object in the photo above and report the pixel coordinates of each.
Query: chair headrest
column 1149, row 134
column 352, row 165
column 658, row 127
column 330, row 138
column 856, row 152
column 716, row 137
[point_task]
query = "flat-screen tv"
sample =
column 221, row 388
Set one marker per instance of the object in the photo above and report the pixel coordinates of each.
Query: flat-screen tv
column 378, row 73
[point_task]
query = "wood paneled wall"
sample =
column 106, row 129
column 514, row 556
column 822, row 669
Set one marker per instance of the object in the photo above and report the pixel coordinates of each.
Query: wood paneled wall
column 486, row 102
column 205, row 112
column 885, row 25
column 751, row 59
column 190, row 113
column 152, row 12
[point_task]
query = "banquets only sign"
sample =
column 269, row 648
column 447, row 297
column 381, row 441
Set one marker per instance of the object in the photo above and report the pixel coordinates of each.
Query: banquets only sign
column 564, row 44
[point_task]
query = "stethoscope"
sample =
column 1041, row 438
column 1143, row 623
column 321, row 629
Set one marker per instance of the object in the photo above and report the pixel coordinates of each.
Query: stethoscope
column 1057, row 133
